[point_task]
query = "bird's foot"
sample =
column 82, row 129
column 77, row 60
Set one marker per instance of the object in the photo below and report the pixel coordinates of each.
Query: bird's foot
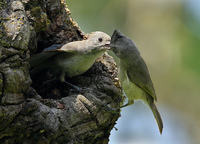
column 112, row 110
column 78, row 89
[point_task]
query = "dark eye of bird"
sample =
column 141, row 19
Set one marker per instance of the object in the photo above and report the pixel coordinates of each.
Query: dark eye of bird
column 100, row 39
column 119, row 36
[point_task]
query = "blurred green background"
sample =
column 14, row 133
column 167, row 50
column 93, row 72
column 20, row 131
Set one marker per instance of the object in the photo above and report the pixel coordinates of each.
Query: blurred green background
column 167, row 33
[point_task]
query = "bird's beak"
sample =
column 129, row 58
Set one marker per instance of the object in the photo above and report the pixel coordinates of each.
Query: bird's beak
column 107, row 45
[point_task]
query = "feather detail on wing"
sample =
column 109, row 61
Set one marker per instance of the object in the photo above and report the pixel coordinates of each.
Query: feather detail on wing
column 39, row 61
column 42, row 60
column 140, row 76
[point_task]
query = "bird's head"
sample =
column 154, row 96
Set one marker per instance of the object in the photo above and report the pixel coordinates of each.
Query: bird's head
column 99, row 40
column 121, row 45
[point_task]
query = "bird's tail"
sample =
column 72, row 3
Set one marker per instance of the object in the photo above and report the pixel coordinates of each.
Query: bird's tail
column 157, row 116
column 36, row 70
column 41, row 61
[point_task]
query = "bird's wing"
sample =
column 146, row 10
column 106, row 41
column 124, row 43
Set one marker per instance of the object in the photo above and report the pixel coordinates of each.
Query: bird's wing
column 39, row 58
column 69, row 47
column 140, row 76
column 76, row 46
column 42, row 60
column 53, row 47
column 51, row 51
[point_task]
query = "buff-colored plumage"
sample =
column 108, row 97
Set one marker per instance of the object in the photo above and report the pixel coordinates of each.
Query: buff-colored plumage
column 73, row 58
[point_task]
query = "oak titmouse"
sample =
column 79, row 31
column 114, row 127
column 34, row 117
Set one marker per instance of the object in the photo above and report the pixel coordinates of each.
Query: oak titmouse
column 133, row 74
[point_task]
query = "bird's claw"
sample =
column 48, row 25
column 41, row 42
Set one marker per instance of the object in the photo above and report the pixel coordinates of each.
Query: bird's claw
column 78, row 89
column 112, row 110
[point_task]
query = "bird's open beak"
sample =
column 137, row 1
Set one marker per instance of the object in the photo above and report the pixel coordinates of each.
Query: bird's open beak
column 107, row 45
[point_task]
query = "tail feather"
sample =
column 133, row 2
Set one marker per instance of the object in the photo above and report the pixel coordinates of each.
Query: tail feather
column 40, row 61
column 157, row 116
column 36, row 70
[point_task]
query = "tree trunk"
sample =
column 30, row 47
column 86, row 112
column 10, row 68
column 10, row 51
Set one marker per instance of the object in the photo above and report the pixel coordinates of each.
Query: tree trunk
column 42, row 110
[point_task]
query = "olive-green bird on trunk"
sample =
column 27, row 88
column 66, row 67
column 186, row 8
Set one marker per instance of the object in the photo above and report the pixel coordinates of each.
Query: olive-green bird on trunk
column 134, row 75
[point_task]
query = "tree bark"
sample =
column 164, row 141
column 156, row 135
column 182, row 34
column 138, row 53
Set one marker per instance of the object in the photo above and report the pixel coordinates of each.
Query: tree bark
column 42, row 110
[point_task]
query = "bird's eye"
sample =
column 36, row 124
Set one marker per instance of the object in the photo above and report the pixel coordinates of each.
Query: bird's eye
column 100, row 39
column 119, row 35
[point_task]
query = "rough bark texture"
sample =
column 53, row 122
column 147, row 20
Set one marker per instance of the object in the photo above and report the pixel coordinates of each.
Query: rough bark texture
column 48, row 111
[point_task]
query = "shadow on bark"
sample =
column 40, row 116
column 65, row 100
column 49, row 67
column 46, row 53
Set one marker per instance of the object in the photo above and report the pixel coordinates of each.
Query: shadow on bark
column 48, row 111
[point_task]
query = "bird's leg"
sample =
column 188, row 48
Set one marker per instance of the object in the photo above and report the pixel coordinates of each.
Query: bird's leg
column 107, row 108
column 62, row 79
column 130, row 102
column 73, row 86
